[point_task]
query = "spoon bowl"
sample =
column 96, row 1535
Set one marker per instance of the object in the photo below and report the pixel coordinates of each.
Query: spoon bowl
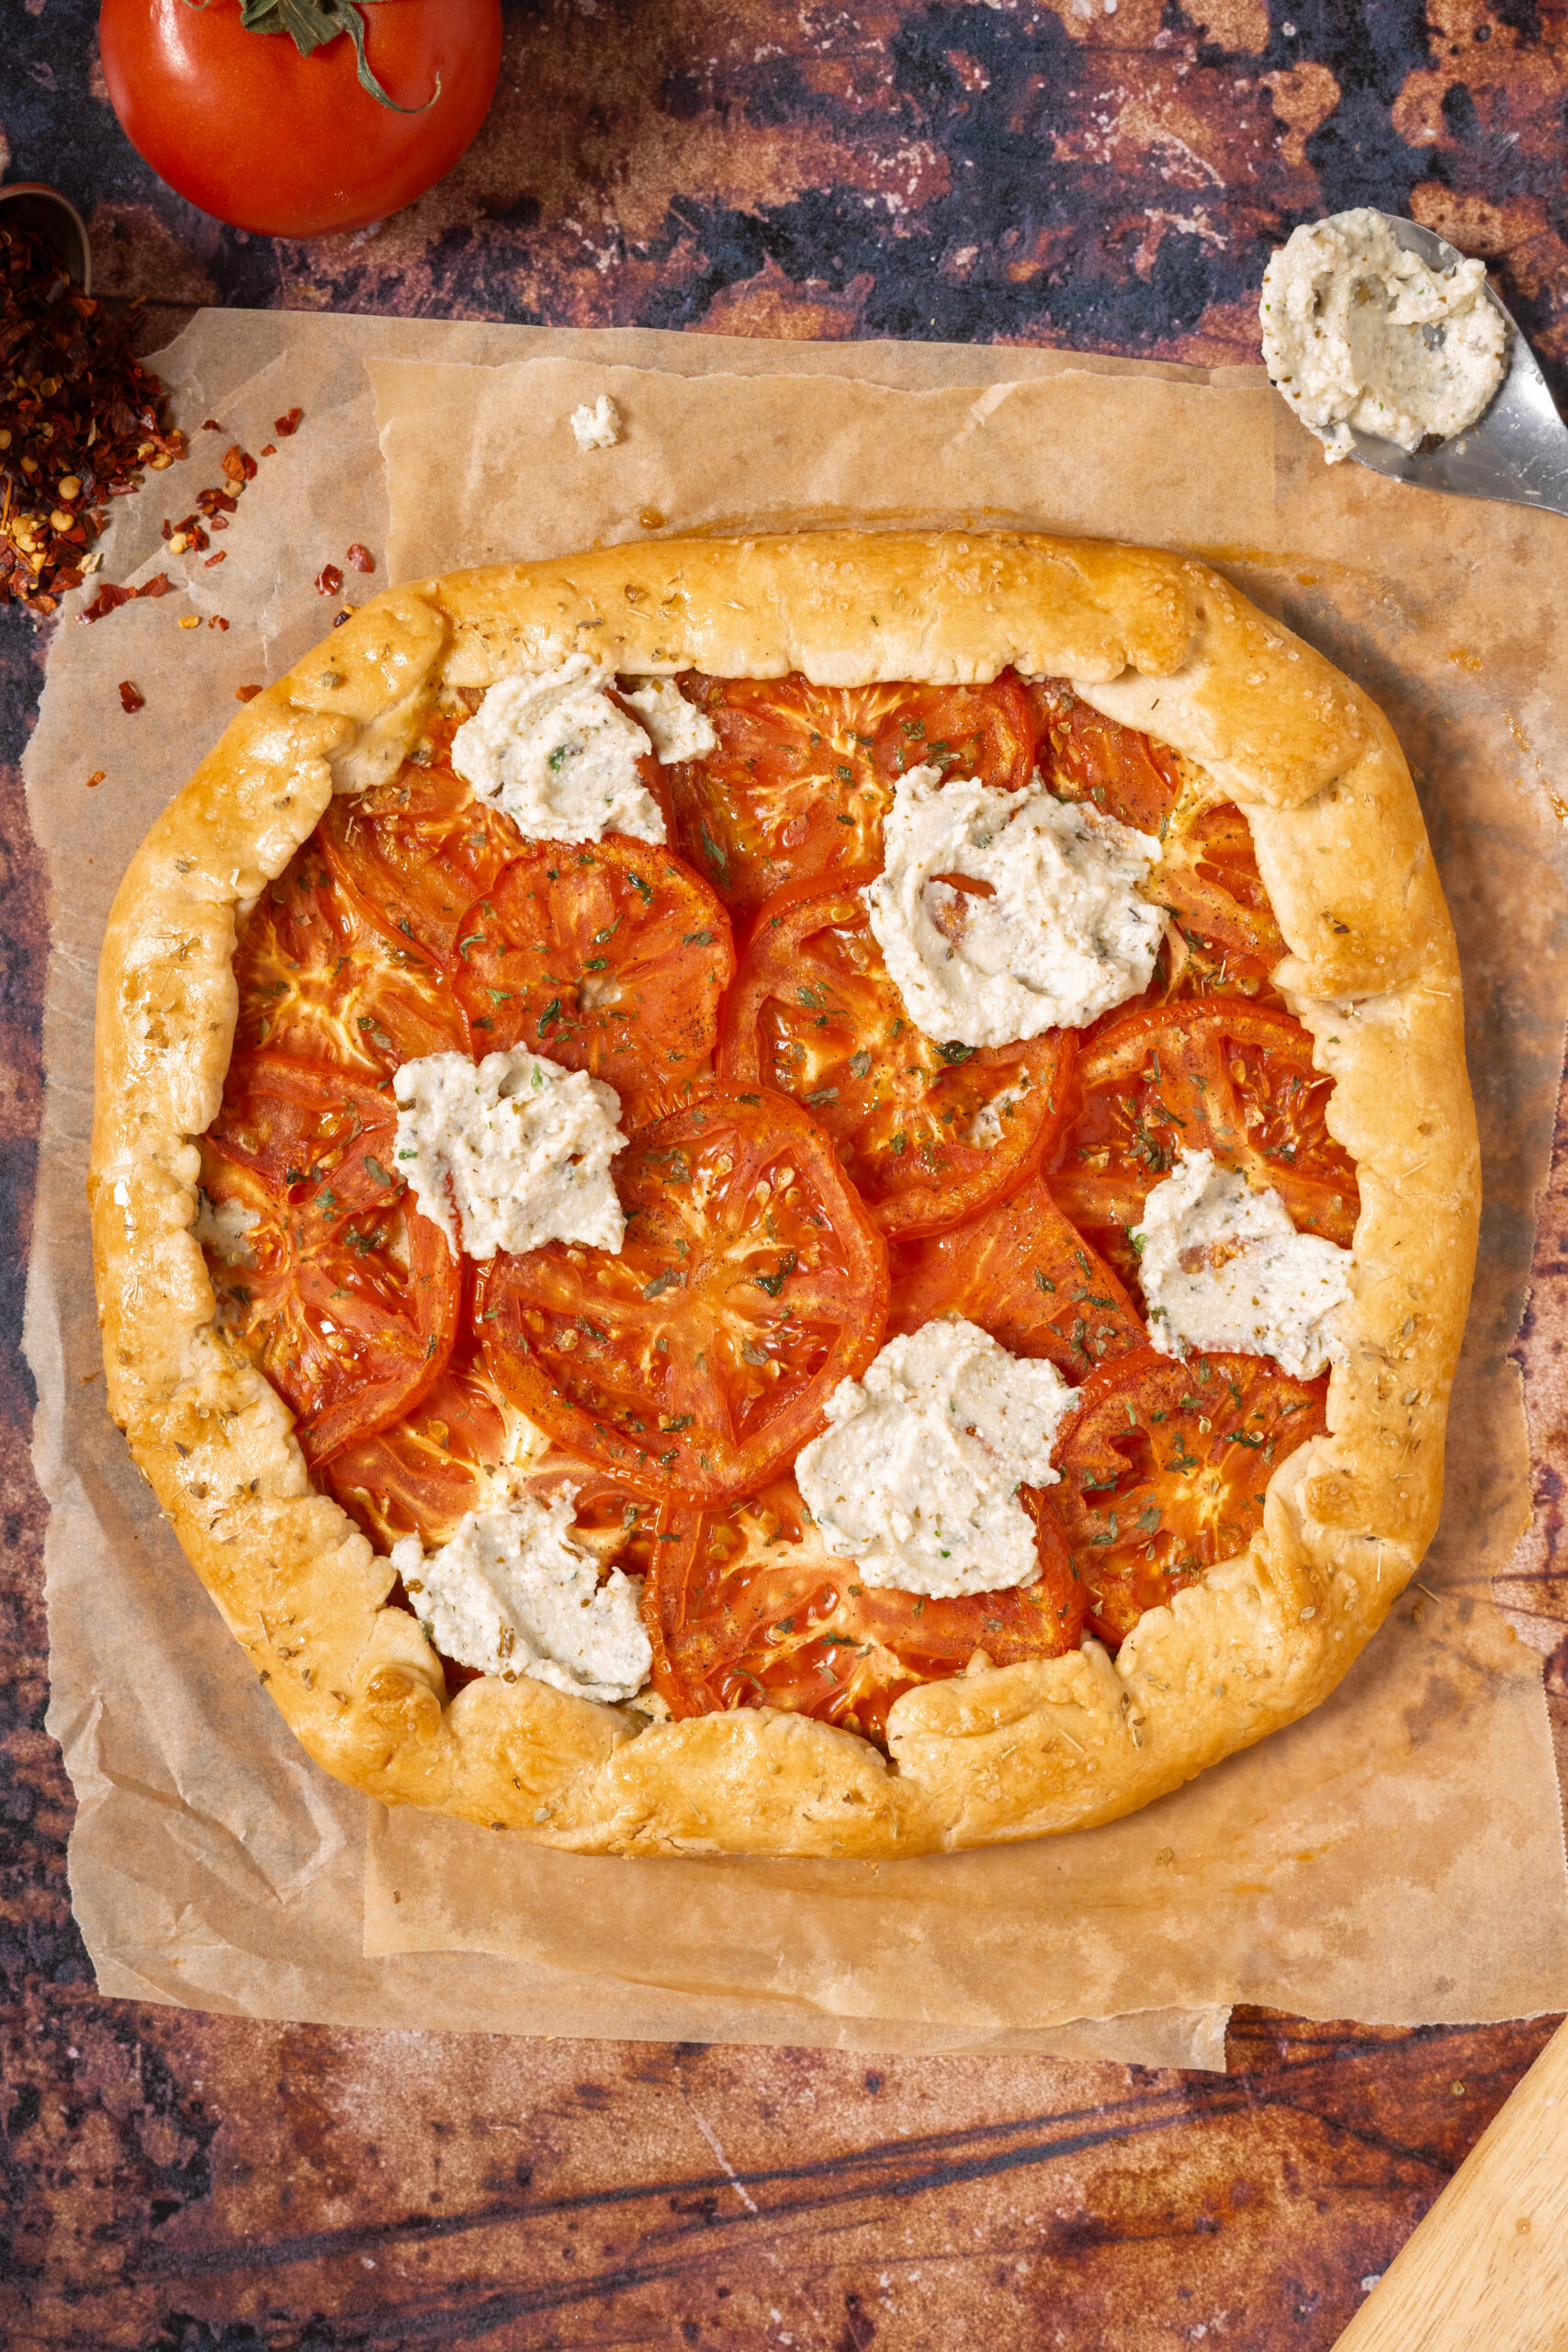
column 29, row 204
column 1518, row 448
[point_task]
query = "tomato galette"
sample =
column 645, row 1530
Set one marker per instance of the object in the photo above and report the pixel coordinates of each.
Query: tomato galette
column 808, row 1196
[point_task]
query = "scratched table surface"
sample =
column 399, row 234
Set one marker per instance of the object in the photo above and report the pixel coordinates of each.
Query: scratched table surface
column 1097, row 175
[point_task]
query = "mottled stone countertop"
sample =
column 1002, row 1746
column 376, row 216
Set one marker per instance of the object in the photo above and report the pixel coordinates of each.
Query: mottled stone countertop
column 1101, row 174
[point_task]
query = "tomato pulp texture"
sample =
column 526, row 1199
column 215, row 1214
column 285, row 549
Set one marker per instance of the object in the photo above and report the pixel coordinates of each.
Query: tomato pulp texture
column 804, row 1175
column 243, row 125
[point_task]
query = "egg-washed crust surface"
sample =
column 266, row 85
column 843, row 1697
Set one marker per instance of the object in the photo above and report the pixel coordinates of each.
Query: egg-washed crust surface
column 1156, row 640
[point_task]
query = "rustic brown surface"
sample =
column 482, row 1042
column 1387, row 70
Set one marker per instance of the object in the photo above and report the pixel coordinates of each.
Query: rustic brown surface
column 179, row 2183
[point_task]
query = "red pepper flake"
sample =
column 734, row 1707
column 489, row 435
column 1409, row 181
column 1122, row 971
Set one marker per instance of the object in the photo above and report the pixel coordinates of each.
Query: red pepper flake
column 246, row 694
column 217, row 621
column 286, row 426
column 339, row 618
column 329, row 580
column 361, row 558
column 210, row 425
column 184, row 535
column 130, row 699
column 110, row 597
column 214, row 503
column 215, row 559
column 267, row 450
column 239, row 466
column 76, row 406
column 97, row 777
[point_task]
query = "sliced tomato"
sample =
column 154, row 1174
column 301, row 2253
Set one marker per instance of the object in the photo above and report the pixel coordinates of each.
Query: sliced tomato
column 1225, row 1075
column 1189, row 966
column 745, row 1608
column 415, row 854
column 609, row 957
column 1085, row 757
column 1209, row 878
column 698, row 1360
column 351, row 1303
column 1163, row 1472
column 607, row 1518
column 1025, row 1275
column 803, row 775
column 317, row 982
column 423, row 1473
column 928, row 1133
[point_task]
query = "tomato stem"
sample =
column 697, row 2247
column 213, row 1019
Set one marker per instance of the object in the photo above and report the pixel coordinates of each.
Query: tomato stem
column 311, row 24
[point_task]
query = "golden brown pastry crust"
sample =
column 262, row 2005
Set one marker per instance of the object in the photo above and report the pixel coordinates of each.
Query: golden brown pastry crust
column 1156, row 640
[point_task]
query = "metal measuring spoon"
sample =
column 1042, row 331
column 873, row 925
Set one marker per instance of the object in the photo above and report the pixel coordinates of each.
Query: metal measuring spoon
column 1518, row 448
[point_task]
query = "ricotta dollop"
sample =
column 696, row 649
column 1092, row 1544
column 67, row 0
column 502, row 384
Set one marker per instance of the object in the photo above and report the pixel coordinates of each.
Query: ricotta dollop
column 916, row 1478
column 511, row 1152
column 513, row 1594
column 1054, row 935
column 224, row 1228
column 1223, row 1266
column 558, row 757
column 679, row 730
column 1359, row 334
column 598, row 427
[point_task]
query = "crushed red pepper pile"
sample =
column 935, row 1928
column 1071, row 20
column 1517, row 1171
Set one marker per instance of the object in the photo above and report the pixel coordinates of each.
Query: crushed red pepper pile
column 81, row 419
column 189, row 534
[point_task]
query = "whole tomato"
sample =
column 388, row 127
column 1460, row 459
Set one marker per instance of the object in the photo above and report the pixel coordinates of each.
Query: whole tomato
column 236, row 119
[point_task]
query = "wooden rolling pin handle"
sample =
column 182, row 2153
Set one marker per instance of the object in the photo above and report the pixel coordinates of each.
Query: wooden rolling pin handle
column 1487, row 2270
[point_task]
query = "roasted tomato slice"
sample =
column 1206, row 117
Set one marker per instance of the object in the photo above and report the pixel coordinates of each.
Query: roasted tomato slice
column 1085, row 757
column 1022, row 1273
column 350, row 1302
column 420, row 1476
column 415, row 854
column 928, row 1133
column 609, row 957
column 1209, row 878
column 1221, row 1075
column 745, row 1609
column 697, row 1361
column 317, row 982
column 1163, row 1468
column 803, row 775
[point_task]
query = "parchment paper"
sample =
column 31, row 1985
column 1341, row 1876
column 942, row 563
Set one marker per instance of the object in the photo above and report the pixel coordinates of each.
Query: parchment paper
column 1399, row 1856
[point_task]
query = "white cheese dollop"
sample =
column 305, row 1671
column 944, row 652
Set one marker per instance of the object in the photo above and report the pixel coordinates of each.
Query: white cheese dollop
column 678, row 730
column 558, row 757
column 916, row 1478
column 1359, row 332
column 513, row 1594
column 1222, row 1266
column 511, row 1152
column 598, row 427
column 1056, row 935
column 223, row 1228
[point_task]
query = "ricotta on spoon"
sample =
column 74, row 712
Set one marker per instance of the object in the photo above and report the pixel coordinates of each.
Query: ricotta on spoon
column 1361, row 335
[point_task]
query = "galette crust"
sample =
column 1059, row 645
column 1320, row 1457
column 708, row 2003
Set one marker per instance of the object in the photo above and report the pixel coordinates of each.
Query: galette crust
column 1158, row 640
